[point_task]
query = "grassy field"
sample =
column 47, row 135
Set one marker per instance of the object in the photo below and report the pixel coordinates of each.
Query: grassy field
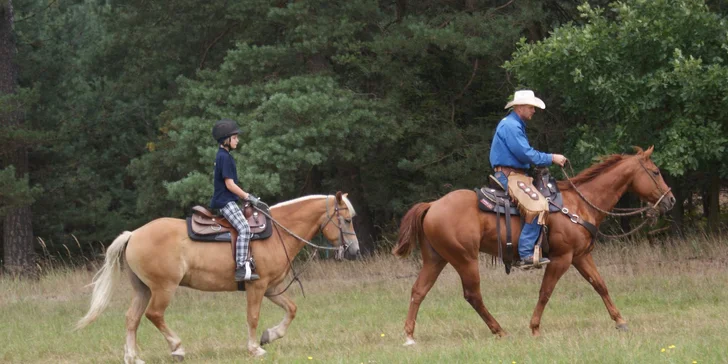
column 675, row 298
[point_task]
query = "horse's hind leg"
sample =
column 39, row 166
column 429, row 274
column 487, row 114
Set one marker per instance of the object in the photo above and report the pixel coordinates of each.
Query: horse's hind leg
column 139, row 304
column 585, row 265
column 432, row 265
column 278, row 331
column 470, row 276
column 161, row 296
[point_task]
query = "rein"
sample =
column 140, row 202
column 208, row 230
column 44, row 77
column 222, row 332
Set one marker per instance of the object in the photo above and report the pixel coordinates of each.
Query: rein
column 626, row 211
column 631, row 211
column 340, row 249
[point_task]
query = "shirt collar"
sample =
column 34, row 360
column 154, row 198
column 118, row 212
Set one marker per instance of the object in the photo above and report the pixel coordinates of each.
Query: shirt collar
column 515, row 116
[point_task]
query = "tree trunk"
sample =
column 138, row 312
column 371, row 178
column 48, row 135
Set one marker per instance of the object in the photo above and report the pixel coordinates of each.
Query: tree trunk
column 678, row 211
column 401, row 10
column 363, row 222
column 312, row 185
column 17, row 226
column 714, row 202
column 706, row 198
column 624, row 221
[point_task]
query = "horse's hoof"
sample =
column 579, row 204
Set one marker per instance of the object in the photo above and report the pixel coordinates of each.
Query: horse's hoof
column 501, row 334
column 258, row 352
column 622, row 327
column 130, row 360
column 409, row 342
column 179, row 354
column 265, row 338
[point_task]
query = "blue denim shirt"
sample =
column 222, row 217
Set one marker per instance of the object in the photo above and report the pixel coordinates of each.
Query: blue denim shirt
column 510, row 146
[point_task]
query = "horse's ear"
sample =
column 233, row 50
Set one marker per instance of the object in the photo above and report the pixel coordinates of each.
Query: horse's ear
column 649, row 151
column 338, row 196
column 637, row 150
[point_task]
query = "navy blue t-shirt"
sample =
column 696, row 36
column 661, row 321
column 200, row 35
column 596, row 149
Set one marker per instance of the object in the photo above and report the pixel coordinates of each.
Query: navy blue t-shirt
column 224, row 168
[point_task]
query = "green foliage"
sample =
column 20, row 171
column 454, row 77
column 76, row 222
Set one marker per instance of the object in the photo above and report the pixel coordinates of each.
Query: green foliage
column 119, row 97
column 402, row 106
column 652, row 75
column 15, row 192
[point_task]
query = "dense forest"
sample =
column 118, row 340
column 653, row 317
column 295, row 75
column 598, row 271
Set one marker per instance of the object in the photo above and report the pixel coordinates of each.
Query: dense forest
column 106, row 107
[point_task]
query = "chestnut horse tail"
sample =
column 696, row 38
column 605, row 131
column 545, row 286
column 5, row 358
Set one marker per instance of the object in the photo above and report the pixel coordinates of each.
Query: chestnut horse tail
column 105, row 280
column 410, row 230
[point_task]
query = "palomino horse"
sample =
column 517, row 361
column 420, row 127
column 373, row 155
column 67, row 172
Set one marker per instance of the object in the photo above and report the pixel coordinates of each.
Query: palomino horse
column 453, row 230
column 160, row 257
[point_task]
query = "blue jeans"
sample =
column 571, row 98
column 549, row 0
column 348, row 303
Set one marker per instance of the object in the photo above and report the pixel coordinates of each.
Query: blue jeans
column 529, row 231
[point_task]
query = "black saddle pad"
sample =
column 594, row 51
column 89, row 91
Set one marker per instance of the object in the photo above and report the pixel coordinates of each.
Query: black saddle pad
column 492, row 200
column 225, row 237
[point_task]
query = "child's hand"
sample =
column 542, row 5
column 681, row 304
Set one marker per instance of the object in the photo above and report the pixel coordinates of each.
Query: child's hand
column 253, row 200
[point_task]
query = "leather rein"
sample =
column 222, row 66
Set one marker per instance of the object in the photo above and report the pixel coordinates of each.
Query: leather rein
column 625, row 211
column 343, row 245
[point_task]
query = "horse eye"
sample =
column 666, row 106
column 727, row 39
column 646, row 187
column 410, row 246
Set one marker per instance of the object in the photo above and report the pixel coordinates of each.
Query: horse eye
column 348, row 221
column 656, row 173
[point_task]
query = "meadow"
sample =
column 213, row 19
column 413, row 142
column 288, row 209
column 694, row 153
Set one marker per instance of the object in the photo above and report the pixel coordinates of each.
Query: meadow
column 674, row 297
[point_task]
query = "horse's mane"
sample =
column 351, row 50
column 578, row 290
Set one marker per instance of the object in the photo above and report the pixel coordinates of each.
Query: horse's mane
column 606, row 162
column 316, row 197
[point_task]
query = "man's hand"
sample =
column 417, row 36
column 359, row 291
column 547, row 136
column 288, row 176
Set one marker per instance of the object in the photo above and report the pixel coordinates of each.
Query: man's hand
column 558, row 159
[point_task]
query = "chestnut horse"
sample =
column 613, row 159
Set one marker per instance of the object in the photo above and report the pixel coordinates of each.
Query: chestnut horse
column 159, row 257
column 453, row 230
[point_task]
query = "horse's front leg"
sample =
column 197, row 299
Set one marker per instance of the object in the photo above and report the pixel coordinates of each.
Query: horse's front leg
column 554, row 271
column 278, row 331
column 254, row 292
column 585, row 265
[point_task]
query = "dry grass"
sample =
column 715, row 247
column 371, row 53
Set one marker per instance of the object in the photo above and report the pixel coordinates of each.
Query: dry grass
column 353, row 312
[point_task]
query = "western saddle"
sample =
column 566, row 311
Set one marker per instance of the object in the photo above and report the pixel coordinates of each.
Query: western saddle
column 205, row 226
column 496, row 200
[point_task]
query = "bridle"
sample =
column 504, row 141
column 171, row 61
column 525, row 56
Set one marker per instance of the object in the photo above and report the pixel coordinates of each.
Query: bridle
column 625, row 211
column 631, row 212
column 654, row 180
column 343, row 243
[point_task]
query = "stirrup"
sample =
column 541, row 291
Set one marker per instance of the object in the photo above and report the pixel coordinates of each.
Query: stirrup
column 245, row 273
column 497, row 182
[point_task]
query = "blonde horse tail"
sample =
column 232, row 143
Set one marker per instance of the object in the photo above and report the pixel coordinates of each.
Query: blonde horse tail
column 105, row 280
column 410, row 230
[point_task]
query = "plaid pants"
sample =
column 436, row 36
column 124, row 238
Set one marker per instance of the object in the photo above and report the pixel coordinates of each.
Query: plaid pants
column 232, row 213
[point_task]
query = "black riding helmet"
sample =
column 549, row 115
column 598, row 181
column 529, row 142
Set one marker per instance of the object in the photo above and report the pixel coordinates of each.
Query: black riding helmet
column 224, row 129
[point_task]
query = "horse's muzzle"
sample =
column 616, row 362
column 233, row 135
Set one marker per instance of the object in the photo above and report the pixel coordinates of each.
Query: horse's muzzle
column 667, row 204
column 351, row 256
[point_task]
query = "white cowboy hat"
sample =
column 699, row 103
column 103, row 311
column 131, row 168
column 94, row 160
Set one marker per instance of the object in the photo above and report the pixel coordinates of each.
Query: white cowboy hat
column 526, row 97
